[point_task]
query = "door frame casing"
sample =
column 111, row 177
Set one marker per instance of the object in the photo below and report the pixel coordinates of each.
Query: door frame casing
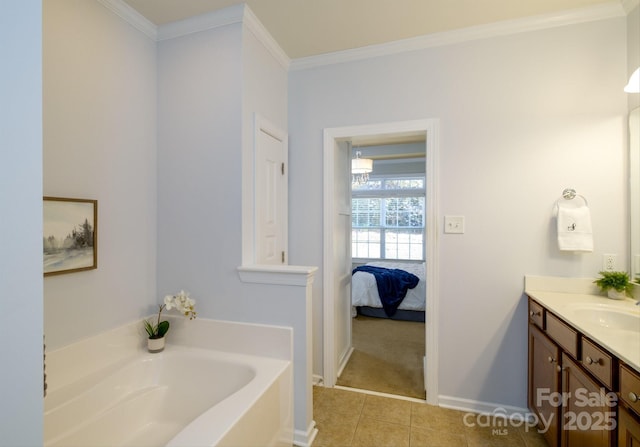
column 330, row 136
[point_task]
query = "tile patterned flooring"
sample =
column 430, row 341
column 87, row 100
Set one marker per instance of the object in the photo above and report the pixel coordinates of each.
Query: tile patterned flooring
column 349, row 418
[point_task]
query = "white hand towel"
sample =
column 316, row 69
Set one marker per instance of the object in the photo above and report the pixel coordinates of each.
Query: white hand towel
column 574, row 229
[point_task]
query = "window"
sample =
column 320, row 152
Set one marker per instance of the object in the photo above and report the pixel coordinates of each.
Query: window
column 387, row 218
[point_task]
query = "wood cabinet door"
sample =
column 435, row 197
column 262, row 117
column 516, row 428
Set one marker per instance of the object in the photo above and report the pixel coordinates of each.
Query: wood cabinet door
column 544, row 383
column 587, row 418
column 628, row 429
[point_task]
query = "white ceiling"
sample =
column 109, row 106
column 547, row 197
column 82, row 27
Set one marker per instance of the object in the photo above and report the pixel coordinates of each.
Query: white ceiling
column 311, row 27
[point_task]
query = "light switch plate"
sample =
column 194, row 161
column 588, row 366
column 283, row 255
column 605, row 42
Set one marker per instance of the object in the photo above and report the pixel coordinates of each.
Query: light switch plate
column 454, row 224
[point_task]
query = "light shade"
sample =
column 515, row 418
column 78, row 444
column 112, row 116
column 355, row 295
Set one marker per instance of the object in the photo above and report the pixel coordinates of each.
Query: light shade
column 634, row 82
column 360, row 169
column 361, row 165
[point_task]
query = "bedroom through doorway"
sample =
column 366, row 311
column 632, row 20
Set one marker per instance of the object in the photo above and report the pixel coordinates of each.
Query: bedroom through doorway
column 337, row 264
column 388, row 245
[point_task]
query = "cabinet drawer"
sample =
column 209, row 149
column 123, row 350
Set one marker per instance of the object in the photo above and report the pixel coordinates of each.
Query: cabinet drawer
column 536, row 314
column 598, row 362
column 630, row 388
column 562, row 334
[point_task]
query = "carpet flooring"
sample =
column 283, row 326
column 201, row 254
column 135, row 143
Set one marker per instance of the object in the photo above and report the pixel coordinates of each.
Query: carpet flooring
column 387, row 357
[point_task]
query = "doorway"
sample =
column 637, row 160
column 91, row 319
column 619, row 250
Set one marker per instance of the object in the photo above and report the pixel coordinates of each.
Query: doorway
column 387, row 231
column 337, row 220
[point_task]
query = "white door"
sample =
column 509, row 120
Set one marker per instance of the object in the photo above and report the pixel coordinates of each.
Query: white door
column 342, row 253
column 337, row 260
column 270, row 194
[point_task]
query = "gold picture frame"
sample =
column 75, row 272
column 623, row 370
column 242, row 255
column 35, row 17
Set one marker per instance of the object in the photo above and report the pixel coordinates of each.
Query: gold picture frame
column 70, row 235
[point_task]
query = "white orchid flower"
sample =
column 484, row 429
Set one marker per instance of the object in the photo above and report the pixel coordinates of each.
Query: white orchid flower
column 182, row 303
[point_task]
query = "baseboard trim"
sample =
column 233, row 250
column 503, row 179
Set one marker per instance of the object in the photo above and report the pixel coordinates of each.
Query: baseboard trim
column 305, row 439
column 378, row 393
column 486, row 408
column 344, row 361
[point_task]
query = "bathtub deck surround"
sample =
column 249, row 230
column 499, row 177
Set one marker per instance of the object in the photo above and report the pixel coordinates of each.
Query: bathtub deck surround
column 108, row 389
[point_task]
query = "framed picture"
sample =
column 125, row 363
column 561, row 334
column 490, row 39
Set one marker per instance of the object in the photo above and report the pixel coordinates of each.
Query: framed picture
column 70, row 236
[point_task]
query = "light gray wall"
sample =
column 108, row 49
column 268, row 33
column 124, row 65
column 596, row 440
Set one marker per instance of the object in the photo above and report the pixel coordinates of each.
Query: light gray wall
column 99, row 113
column 537, row 112
column 210, row 84
column 204, row 123
column 21, row 223
column 264, row 94
column 199, row 167
column 633, row 51
column 521, row 118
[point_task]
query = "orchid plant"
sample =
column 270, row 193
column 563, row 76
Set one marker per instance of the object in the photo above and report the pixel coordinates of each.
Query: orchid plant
column 181, row 302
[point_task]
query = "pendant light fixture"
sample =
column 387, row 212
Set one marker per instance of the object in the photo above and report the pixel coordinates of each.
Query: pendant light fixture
column 360, row 169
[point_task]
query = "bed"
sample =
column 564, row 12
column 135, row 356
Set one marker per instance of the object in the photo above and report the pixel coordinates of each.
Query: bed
column 366, row 300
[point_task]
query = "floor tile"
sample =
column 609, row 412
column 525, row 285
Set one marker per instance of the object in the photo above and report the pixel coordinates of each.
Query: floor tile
column 335, row 429
column 351, row 419
column 394, row 411
column 373, row 432
column 437, row 438
column 532, row 438
column 494, row 436
column 436, row 418
column 333, row 400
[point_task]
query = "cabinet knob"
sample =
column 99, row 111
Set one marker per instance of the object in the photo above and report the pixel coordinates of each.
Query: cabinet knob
column 551, row 359
column 534, row 313
column 559, row 368
column 633, row 397
column 590, row 361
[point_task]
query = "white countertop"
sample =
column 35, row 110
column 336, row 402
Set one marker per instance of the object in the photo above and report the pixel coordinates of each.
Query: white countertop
column 563, row 296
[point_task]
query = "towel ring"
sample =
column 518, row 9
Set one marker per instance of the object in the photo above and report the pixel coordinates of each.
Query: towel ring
column 570, row 194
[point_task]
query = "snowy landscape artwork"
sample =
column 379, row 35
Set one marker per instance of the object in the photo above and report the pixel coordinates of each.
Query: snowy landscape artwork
column 69, row 235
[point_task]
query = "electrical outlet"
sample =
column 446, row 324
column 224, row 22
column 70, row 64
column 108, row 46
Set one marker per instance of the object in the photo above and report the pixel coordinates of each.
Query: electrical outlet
column 609, row 262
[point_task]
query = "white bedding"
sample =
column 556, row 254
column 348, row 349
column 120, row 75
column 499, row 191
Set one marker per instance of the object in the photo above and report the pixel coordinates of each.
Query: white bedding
column 364, row 290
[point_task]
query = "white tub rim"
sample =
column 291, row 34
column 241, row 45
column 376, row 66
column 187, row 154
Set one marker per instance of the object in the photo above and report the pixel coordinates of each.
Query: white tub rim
column 226, row 413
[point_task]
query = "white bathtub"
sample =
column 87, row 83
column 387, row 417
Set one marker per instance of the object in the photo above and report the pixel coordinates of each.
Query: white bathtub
column 182, row 397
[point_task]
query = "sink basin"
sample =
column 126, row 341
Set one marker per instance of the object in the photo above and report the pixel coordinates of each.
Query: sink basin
column 607, row 316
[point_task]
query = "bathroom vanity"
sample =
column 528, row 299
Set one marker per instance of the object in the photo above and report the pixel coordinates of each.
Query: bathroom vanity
column 584, row 364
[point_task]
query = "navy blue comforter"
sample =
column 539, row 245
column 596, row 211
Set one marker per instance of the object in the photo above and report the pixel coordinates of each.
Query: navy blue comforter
column 392, row 285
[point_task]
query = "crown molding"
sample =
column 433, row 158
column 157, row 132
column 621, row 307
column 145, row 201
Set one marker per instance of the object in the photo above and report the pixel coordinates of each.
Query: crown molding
column 629, row 5
column 592, row 13
column 223, row 17
column 254, row 25
column 131, row 16
column 240, row 13
column 235, row 14
column 202, row 22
